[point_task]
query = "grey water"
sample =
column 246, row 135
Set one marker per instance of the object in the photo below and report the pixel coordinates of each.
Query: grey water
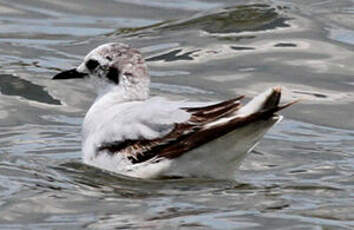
column 300, row 176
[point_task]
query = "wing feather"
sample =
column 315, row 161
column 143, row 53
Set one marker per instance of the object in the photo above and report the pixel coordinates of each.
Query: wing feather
column 199, row 129
column 177, row 141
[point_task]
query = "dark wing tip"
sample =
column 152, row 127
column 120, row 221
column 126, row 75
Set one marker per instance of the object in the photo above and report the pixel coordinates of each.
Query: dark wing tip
column 281, row 107
column 276, row 94
column 273, row 101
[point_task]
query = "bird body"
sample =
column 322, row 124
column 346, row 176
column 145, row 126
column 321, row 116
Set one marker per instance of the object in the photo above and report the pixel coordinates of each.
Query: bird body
column 127, row 132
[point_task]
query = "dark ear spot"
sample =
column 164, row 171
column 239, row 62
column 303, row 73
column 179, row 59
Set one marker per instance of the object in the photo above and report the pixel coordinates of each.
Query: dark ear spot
column 91, row 64
column 113, row 75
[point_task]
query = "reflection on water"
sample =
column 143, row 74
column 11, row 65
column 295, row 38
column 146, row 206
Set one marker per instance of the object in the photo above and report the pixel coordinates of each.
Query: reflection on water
column 172, row 56
column 235, row 19
column 14, row 86
column 299, row 177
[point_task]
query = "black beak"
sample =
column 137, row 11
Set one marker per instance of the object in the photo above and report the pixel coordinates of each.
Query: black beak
column 69, row 74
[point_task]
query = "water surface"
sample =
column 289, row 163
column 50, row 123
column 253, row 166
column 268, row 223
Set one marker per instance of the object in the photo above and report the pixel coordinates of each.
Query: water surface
column 299, row 177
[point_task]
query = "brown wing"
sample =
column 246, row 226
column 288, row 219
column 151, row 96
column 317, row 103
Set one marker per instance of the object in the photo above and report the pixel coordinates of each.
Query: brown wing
column 141, row 150
column 189, row 135
column 215, row 111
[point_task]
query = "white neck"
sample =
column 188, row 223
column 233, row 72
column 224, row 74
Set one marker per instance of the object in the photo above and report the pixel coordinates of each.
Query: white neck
column 109, row 97
column 114, row 94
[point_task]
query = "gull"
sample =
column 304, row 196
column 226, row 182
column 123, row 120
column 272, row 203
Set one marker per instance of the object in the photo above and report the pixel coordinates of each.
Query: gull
column 127, row 132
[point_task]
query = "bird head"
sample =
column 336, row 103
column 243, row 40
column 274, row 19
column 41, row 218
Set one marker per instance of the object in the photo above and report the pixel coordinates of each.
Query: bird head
column 111, row 66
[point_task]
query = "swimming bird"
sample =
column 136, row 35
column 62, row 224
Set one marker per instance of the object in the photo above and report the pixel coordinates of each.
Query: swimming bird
column 127, row 132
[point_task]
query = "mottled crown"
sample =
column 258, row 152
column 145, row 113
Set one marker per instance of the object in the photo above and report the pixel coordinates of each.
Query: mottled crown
column 117, row 63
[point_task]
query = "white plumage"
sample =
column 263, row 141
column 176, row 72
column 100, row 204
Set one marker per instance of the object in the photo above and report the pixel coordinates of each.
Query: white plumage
column 129, row 133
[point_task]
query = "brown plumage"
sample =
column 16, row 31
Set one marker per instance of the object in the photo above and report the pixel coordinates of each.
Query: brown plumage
column 194, row 132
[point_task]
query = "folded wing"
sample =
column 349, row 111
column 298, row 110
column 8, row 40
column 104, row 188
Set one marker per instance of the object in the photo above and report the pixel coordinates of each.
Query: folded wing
column 205, row 123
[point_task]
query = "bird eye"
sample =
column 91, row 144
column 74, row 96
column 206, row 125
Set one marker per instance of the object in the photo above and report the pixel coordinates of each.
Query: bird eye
column 91, row 64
